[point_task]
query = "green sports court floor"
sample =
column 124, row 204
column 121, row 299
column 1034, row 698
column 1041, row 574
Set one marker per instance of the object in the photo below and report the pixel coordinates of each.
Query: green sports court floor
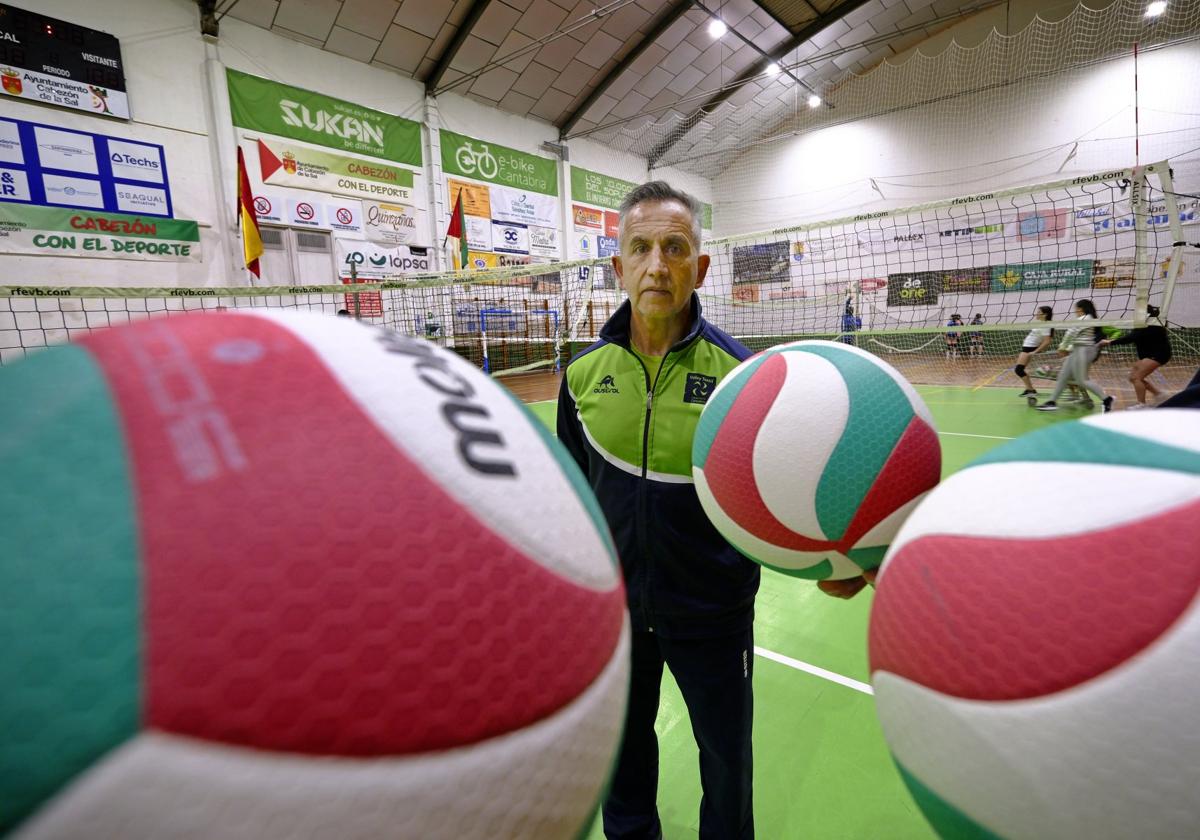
column 821, row 768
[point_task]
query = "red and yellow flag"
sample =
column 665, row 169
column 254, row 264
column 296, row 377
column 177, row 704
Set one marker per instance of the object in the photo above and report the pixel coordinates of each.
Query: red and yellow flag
column 458, row 229
column 252, row 247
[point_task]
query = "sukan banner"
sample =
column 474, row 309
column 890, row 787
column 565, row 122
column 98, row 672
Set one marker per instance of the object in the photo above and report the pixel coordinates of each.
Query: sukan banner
column 496, row 164
column 296, row 165
column 62, row 232
column 285, row 111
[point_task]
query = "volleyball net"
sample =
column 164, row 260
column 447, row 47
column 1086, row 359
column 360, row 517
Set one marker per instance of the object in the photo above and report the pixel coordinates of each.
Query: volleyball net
column 946, row 291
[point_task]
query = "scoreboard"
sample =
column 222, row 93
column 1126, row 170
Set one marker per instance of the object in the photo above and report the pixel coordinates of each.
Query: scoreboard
column 59, row 63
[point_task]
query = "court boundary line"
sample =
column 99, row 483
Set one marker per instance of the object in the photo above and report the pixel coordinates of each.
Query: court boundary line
column 815, row 670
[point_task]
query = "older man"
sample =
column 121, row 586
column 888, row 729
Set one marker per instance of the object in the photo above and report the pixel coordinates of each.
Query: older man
column 628, row 410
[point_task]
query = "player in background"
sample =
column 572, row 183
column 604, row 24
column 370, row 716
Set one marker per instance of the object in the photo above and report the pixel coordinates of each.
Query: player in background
column 976, row 338
column 1080, row 344
column 952, row 337
column 1153, row 351
column 1038, row 340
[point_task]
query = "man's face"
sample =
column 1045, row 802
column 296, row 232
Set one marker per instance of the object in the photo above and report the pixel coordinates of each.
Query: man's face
column 660, row 263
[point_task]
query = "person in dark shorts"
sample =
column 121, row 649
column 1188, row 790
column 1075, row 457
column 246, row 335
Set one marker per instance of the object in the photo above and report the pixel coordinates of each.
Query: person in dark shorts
column 952, row 337
column 1153, row 347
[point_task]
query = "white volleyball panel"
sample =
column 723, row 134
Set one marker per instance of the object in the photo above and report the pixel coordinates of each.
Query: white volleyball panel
column 536, row 509
column 1113, row 758
column 796, row 439
column 1178, row 427
column 1045, row 499
column 765, row 552
column 539, row 783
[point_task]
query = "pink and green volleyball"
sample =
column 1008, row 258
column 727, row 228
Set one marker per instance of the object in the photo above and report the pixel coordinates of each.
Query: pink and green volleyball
column 1035, row 636
column 280, row 575
column 809, row 456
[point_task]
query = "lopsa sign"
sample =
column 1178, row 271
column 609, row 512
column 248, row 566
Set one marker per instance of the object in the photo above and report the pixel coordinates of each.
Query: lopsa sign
column 377, row 262
column 920, row 288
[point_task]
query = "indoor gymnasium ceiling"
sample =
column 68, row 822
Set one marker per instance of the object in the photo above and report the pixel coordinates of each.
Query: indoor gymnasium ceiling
column 613, row 69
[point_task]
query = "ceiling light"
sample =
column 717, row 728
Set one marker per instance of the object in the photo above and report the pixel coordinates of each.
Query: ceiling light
column 717, row 27
column 814, row 101
column 772, row 69
column 1156, row 8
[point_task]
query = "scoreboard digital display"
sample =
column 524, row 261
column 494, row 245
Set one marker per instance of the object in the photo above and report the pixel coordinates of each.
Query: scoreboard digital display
column 48, row 60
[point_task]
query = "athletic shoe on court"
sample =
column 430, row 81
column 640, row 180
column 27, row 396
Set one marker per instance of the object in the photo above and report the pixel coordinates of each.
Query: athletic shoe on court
column 1028, row 392
column 1048, row 406
column 1108, row 402
column 1137, row 407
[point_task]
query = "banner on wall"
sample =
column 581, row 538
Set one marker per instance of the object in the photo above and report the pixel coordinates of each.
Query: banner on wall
column 285, row 111
column 524, row 208
column 481, row 259
column 543, row 242
column 510, row 238
column 587, row 217
column 767, row 262
column 1043, row 224
column 1113, row 274
column 61, row 232
column 389, row 224
column 596, row 188
column 294, row 165
column 918, row 288
column 476, row 199
column 377, row 262
column 52, row 166
column 479, row 233
column 1064, row 274
column 966, row 281
column 964, row 231
column 56, row 62
column 606, row 246
column 496, row 164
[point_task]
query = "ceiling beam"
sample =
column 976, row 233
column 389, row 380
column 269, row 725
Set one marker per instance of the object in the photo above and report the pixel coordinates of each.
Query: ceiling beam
column 664, row 23
column 460, row 37
column 776, row 17
column 754, row 70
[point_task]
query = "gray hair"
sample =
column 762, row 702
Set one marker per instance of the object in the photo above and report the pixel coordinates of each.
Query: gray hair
column 655, row 191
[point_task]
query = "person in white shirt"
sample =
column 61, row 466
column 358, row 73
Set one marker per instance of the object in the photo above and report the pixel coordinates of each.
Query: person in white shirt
column 1039, row 339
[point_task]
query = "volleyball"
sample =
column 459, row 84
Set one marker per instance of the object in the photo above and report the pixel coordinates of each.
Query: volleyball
column 1035, row 635
column 810, row 455
column 283, row 575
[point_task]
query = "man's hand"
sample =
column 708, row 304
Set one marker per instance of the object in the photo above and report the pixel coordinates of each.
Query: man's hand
column 848, row 587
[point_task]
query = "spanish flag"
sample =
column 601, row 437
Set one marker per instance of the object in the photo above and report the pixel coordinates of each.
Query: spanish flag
column 252, row 247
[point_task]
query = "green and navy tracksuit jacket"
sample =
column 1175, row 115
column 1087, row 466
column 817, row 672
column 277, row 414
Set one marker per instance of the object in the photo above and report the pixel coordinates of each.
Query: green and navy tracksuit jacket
column 632, row 437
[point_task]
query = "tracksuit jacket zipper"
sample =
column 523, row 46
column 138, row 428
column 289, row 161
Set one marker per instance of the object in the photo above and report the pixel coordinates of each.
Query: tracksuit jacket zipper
column 643, row 512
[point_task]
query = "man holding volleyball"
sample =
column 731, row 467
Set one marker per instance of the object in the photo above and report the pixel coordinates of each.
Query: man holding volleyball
column 627, row 412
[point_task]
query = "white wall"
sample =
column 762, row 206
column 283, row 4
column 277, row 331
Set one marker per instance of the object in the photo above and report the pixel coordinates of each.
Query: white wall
column 971, row 143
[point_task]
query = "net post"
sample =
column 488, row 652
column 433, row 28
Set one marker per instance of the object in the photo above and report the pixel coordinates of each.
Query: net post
column 1166, row 181
column 1141, row 253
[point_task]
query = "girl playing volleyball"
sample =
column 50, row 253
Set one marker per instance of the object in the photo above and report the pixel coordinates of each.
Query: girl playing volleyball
column 1039, row 339
column 1080, row 343
column 1153, row 351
